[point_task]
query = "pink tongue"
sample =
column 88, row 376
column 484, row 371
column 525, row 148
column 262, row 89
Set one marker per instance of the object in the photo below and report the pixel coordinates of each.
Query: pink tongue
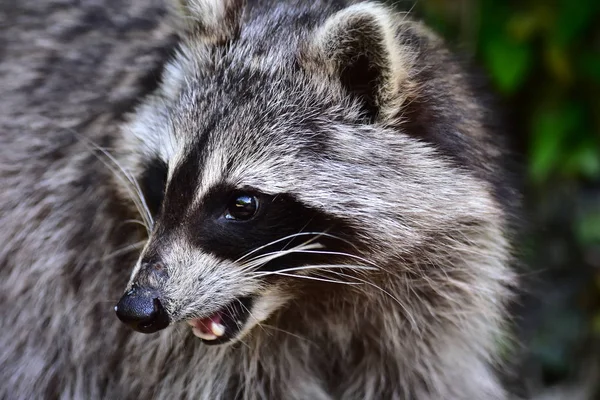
column 204, row 325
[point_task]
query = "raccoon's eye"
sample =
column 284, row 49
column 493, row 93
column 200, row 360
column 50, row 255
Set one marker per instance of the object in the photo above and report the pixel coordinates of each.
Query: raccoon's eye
column 242, row 207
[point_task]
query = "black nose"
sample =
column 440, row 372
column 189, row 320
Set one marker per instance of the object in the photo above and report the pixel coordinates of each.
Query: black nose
column 141, row 309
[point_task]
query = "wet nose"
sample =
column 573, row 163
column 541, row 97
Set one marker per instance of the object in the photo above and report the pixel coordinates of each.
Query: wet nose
column 141, row 309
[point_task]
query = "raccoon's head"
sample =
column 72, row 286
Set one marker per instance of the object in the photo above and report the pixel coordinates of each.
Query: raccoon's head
column 274, row 157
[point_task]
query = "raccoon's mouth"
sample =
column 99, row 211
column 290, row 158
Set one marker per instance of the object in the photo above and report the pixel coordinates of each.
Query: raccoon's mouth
column 225, row 324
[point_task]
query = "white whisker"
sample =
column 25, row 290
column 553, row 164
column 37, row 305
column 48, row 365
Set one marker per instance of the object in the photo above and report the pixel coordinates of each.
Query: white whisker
column 138, row 196
column 265, row 258
column 317, row 234
column 337, row 253
column 135, row 221
column 413, row 323
column 314, row 278
column 120, row 173
column 318, row 267
column 124, row 250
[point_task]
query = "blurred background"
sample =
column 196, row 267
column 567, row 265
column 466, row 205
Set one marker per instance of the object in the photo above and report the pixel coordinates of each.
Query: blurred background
column 543, row 60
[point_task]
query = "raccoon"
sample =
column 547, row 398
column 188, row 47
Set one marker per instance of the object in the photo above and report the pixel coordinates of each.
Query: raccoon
column 285, row 199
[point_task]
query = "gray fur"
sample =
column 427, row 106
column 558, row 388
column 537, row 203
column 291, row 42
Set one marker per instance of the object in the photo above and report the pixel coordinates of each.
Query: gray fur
column 426, row 324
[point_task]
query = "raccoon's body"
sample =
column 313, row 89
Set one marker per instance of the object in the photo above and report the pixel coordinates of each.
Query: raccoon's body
column 322, row 187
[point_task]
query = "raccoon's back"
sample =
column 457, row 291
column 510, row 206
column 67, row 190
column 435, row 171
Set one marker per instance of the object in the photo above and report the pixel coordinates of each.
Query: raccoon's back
column 68, row 73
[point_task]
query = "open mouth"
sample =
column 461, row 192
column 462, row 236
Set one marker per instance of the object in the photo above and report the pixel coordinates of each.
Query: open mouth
column 225, row 324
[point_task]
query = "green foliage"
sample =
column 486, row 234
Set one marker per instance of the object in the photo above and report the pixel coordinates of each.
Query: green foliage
column 588, row 229
column 543, row 58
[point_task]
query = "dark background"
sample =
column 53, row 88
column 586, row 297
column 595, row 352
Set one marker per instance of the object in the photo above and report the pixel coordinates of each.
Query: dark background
column 543, row 61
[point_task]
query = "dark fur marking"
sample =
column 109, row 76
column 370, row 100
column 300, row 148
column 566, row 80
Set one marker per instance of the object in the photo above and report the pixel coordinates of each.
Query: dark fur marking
column 361, row 78
column 181, row 189
column 153, row 182
column 278, row 217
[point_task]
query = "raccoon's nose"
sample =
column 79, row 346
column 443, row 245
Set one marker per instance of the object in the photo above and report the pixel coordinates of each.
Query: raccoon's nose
column 140, row 308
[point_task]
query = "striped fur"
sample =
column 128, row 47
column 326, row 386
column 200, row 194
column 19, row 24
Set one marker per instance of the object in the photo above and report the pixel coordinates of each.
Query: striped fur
column 354, row 121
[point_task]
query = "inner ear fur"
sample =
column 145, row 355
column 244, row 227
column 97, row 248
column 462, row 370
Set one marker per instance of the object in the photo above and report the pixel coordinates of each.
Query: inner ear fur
column 211, row 21
column 359, row 47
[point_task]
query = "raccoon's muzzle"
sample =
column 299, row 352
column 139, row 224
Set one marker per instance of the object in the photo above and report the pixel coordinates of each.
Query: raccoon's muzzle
column 141, row 309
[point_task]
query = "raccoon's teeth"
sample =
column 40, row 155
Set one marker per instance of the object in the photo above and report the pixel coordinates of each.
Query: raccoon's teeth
column 217, row 329
column 207, row 329
column 203, row 335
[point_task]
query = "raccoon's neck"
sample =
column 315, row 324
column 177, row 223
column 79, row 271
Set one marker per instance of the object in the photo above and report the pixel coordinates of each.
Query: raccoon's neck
column 323, row 351
column 328, row 347
column 420, row 343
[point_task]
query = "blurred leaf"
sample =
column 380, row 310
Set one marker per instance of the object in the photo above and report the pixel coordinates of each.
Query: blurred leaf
column 550, row 130
column 588, row 229
column 508, row 61
column 558, row 62
column 523, row 26
column 584, row 161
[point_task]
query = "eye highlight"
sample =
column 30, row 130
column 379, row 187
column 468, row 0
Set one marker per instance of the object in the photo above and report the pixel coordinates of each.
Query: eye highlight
column 242, row 207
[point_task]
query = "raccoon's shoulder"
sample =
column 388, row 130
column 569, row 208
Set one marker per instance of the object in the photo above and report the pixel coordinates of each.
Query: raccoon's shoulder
column 75, row 61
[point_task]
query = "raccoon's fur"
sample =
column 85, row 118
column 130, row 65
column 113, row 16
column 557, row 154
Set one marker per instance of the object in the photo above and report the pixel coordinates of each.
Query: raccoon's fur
column 372, row 245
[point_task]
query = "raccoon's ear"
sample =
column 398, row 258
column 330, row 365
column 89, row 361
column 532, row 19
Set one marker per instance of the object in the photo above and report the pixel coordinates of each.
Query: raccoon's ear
column 359, row 46
column 212, row 21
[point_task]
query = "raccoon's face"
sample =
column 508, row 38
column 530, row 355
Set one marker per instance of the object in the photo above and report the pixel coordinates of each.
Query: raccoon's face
column 267, row 169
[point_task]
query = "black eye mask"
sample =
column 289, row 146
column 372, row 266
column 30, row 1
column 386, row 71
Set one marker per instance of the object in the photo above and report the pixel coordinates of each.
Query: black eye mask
column 152, row 183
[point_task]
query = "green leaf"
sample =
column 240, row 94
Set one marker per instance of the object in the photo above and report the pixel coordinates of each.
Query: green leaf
column 550, row 129
column 558, row 62
column 522, row 26
column 508, row 61
column 588, row 229
column 584, row 161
